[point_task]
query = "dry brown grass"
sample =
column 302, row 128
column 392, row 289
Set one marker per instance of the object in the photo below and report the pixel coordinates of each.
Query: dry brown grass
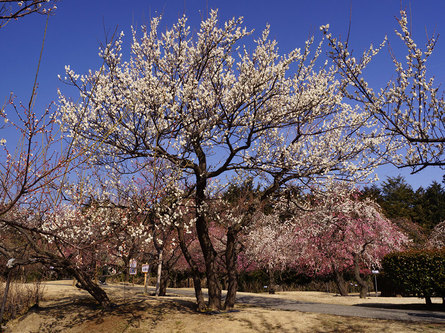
column 21, row 297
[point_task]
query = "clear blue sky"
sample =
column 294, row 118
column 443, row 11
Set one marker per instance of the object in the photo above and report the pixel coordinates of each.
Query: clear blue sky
column 79, row 26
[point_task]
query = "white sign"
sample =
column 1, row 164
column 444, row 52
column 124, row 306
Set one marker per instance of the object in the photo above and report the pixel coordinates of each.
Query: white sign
column 145, row 268
column 133, row 271
column 375, row 271
column 133, row 263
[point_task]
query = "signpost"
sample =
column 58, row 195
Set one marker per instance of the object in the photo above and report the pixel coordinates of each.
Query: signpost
column 375, row 272
column 145, row 270
column 133, row 268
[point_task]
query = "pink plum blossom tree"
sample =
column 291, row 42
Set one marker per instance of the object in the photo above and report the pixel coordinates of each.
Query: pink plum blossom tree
column 340, row 231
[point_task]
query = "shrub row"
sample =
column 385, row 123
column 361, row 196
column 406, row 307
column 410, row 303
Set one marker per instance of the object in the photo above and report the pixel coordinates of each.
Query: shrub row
column 417, row 272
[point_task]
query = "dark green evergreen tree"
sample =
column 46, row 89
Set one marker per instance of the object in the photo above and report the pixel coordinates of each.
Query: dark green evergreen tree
column 433, row 205
column 373, row 192
column 398, row 198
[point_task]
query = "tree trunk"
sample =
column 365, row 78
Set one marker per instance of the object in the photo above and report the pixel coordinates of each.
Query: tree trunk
column 209, row 253
column 5, row 296
column 158, row 276
column 232, row 276
column 340, row 282
column 197, row 285
column 126, row 260
column 163, row 283
column 428, row 300
column 362, row 283
column 194, row 268
column 271, row 281
column 86, row 283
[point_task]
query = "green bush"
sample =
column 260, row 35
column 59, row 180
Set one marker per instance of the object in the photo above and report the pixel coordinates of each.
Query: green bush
column 417, row 272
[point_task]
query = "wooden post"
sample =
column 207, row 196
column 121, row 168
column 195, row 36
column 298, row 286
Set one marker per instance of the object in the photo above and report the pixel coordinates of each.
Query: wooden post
column 146, row 271
column 145, row 282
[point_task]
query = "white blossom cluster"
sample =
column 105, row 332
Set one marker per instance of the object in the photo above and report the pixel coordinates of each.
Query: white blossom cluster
column 271, row 244
column 13, row 9
column 102, row 218
column 208, row 105
column 437, row 237
column 410, row 108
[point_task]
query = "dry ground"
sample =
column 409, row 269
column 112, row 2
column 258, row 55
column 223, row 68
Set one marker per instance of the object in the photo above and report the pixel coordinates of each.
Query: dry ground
column 67, row 309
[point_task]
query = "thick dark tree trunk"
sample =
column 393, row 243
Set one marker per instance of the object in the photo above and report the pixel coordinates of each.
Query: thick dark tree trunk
column 340, row 282
column 163, row 283
column 126, row 260
column 362, row 283
column 428, row 300
column 232, row 276
column 197, row 285
column 209, row 253
column 271, row 281
column 224, row 283
column 86, row 283
column 84, row 279
column 194, row 268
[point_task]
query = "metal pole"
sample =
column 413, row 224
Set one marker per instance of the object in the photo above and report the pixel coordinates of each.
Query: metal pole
column 375, row 280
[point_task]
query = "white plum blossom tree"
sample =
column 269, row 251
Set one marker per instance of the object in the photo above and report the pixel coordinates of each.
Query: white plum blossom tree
column 16, row 9
column 212, row 106
column 411, row 107
column 272, row 245
column 437, row 237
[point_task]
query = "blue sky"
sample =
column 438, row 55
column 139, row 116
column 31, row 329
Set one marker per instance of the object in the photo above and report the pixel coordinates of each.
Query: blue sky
column 79, row 26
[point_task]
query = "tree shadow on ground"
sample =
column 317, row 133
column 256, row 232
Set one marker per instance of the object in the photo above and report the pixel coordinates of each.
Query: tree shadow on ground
column 70, row 312
column 409, row 306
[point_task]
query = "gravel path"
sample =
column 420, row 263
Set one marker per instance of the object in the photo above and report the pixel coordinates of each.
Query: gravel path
column 345, row 310
column 376, row 311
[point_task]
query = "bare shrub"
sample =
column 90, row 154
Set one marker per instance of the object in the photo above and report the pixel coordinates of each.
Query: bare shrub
column 21, row 297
